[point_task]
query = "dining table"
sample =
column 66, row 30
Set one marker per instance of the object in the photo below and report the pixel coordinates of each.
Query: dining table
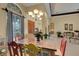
column 46, row 46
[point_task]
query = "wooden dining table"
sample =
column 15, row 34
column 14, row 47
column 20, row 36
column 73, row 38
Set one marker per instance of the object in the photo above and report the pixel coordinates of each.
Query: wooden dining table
column 44, row 45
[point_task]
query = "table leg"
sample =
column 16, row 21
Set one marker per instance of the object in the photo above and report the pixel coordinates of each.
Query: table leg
column 52, row 53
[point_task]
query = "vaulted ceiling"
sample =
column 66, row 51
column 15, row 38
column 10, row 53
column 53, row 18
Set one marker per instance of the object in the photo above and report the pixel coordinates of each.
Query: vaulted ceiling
column 29, row 4
column 57, row 8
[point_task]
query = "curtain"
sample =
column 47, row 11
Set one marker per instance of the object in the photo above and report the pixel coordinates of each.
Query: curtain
column 22, row 26
column 9, row 26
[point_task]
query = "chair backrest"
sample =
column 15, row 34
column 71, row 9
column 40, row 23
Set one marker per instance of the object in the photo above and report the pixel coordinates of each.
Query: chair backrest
column 15, row 49
column 63, row 46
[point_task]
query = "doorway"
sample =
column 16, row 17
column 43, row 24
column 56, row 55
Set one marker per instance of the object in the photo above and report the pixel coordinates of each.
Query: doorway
column 31, row 26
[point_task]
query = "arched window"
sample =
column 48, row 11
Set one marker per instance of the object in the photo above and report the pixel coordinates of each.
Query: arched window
column 14, row 8
column 15, row 22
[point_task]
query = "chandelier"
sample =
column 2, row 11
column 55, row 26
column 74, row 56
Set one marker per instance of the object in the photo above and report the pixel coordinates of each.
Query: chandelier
column 36, row 14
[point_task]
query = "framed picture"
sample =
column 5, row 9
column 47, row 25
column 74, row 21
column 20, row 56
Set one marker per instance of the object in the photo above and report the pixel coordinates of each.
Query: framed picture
column 71, row 27
column 51, row 27
column 66, row 26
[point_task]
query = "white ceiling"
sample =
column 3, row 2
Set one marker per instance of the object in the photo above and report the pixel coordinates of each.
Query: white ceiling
column 29, row 4
column 57, row 8
column 64, row 7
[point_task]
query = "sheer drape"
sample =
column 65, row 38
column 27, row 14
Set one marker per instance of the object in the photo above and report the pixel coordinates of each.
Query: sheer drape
column 9, row 26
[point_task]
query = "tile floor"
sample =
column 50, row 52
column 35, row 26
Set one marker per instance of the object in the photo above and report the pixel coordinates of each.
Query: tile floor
column 72, row 49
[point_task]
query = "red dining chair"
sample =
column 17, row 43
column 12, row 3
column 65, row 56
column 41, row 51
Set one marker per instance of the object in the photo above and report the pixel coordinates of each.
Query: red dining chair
column 61, row 51
column 15, row 49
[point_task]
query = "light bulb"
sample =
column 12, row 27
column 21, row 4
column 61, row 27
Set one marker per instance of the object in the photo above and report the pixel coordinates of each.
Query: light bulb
column 35, row 11
column 38, row 15
column 30, row 13
column 40, row 18
column 33, row 16
column 41, row 13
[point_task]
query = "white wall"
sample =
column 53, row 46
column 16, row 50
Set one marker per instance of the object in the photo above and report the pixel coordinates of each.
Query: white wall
column 59, row 22
column 3, row 22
